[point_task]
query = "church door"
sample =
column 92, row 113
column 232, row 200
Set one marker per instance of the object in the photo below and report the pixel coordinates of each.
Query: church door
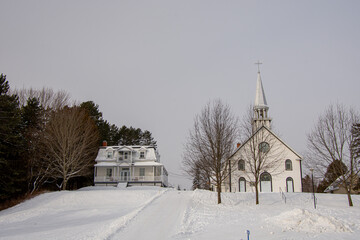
column 289, row 185
column 265, row 182
column 242, row 185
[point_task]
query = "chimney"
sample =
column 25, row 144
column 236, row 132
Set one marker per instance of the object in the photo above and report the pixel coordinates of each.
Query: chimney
column 104, row 143
column 238, row 145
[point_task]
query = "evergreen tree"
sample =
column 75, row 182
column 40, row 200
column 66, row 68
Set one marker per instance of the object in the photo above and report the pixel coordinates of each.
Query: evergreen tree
column 333, row 172
column 33, row 122
column 196, row 180
column 355, row 131
column 93, row 111
column 307, row 184
column 147, row 139
column 115, row 135
column 12, row 169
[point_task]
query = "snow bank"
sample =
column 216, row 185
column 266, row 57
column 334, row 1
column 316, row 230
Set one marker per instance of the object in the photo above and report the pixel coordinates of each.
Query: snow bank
column 110, row 213
column 301, row 220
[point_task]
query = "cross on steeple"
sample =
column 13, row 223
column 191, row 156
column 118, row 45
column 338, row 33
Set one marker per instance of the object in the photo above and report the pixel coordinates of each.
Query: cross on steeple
column 258, row 63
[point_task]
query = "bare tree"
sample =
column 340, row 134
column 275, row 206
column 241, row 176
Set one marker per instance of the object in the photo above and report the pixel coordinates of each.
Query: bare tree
column 69, row 145
column 261, row 151
column 331, row 141
column 211, row 142
column 47, row 98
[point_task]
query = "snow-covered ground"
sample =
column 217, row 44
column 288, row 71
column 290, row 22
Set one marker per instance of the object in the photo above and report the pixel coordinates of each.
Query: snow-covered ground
column 158, row 213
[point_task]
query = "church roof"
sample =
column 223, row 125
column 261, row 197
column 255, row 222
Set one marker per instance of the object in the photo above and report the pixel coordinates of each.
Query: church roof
column 278, row 138
column 260, row 99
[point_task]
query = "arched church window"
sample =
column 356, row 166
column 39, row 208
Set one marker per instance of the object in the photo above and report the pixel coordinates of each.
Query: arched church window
column 242, row 184
column 288, row 165
column 264, row 147
column 289, row 184
column 265, row 182
column 241, row 165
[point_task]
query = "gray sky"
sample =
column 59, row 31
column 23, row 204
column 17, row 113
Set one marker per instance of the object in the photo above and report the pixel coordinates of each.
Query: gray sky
column 155, row 64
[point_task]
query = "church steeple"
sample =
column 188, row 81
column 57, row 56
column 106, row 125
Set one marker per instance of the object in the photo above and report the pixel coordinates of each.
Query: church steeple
column 261, row 117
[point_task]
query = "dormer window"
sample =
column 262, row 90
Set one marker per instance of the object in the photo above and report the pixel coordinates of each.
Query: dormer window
column 123, row 155
column 109, row 154
column 142, row 155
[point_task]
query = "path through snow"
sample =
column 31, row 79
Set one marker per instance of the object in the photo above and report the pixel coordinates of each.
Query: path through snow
column 161, row 219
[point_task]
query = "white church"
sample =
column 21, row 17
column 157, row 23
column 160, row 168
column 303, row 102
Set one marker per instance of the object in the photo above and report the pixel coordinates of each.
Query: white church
column 263, row 156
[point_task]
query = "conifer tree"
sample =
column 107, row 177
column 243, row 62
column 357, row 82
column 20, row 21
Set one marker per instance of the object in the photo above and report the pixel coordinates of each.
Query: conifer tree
column 12, row 170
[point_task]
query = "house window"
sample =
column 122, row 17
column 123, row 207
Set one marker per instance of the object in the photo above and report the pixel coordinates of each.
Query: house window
column 108, row 172
column 142, row 155
column 123, row 155
column 288, row 165
column 142, row 172
column 241, row 165
column 109, row 154
column 264, row 147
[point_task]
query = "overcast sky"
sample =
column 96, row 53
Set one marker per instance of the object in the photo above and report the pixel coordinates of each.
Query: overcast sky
column 155, row 64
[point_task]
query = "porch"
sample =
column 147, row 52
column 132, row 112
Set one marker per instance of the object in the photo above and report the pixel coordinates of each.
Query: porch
column 118, row 179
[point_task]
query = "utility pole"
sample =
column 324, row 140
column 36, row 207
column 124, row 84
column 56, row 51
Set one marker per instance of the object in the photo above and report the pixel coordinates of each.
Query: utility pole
column 229, row 175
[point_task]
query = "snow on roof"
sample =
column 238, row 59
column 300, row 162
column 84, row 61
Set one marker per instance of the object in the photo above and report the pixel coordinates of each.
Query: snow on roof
column 151, row 154
column 147, row 164
column 105, row 164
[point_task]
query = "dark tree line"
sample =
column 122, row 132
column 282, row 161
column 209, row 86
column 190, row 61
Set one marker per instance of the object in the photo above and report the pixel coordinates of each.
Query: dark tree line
column 115, row 135
column 48, row 142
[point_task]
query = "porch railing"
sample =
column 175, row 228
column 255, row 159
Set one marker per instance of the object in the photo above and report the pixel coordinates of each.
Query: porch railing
column 128, row 179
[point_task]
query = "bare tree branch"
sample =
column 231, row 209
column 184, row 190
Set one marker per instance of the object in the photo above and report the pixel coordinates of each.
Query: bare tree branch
column 210, row 143
column 331, row 140
column 261, row 152
column 69, row 145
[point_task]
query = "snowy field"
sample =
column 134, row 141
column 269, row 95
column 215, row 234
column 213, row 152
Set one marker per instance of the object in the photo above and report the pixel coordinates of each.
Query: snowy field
column 158, row 213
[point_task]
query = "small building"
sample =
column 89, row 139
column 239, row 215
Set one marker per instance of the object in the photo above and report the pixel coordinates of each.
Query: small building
column 279, row 164
column 339, row 187
column 130, row 165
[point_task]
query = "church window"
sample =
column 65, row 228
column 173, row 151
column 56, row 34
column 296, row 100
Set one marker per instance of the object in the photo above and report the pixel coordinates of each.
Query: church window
column 264, row 147
column 242, row 184
column 241, row 165
column 288, row 165
column 289, row 184
column 265, row 182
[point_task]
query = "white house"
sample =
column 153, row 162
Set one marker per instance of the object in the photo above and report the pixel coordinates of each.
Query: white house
column 280, row 165
column 131, row 165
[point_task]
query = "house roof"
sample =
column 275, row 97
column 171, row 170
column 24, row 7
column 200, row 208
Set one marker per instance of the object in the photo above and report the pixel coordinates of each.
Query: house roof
column 151, row 152
column 336, row 184
column 147, row 164
column 137, row 164
column 105, row 164
column 278, row 138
